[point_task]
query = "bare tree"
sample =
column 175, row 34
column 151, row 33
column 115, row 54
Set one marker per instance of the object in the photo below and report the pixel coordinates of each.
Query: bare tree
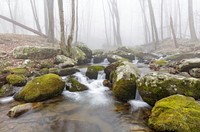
column 71, row 35
column 105, row 23
column 191, row 20
column 35, row 15
column 180, row 24
column 50, row 7
column 46, row 19
column 77, row 10
column 11, row 15
column 63, row 46
column 153, row 25
column 173, row 32
column 161, row 20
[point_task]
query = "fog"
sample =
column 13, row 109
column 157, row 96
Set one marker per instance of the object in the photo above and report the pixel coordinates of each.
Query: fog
column 91, row 19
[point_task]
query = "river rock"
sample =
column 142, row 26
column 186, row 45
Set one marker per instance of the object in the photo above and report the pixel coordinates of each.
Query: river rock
column 124, row 81
column 181, row 56
column 3, row 79
column 41, row 88
column 176, row 113
column 16, row 80
column 125, row 53
column 187, row 64
column 92, row 71
column 79, row 56
column 34, row 52
column 195, row 72
column 7, row 90
column 99, row 56
column 146, row 57
column 23, row 108
column 113, row 58
column 68, row 62
column 73, row 85
column 67, row 71
column 155, row 86
column 85, row 49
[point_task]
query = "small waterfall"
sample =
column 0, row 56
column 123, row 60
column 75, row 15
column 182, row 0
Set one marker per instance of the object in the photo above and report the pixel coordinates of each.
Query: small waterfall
column 135, row 61
column 6, row 100
column 101, row 75
column 137, row 104
column 96, row 95
column 92, row 61
column 137, row 96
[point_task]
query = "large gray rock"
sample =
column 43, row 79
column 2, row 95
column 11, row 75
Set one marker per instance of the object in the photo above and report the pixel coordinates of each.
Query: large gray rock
column 124, row 81
column 113, row 58
column 195, row 72
column 155, row 86
column 181, row 56
column 99, row 56
column 79, row 56
column 30, row 52
column 187, row 64
column 85, row 49
column 65, row 60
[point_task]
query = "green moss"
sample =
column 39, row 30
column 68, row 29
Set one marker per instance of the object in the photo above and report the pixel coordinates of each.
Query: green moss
column 20, row 71
column 41, row 88
column 92, row 71
column 16, row 80
column 161, row 62
column 46, row 64
column 176, row 113
column 124, row 90
column 44, row 71
column 53, row 70
column 75, row 86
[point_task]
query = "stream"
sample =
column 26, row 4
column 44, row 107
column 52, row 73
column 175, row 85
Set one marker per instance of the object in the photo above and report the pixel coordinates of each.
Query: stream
column 93, row 110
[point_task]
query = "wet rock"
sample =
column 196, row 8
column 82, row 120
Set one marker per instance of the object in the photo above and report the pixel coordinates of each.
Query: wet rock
column 195, row 72
column 99, row 56
column 124, row 81
column 182, row 56
column 16, row 80
column 68, row 62
column 111, row 68
column 79, row 56
column 92, row 71
column 155, row 86
column 187, row 64
column 175, row 113
column 23, row 108
column 107, row 83
column 3, row 79
column 125, row 53
column 41, row 88
column 85, row 49
column 67, row 71
column 30, row 52
column 7, row 90
column 73, row 85
column 113, row 58
column 146, row 57
column 20, row 71
column 46, row 64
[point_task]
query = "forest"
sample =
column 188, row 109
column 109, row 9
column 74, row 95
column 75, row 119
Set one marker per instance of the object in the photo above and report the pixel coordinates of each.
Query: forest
column 99, row 65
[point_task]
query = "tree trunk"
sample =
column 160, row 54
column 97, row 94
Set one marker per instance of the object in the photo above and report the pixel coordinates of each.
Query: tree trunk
column 161, row 27
column 191, row 20
column 77, row 5
column 173, row 32
column 46, row 22
column 23, row 26
column 63, row 47
column 105, row 23
column 71, row 35
column 179, row 10
column 34, row 10
column 11, row 16
column 50, row 7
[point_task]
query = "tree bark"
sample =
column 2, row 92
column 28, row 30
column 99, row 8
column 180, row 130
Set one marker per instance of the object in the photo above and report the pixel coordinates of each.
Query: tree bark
column 173, row 32
column 23, row 26
column 161, row 27
column 46, row 22
column 50, row 7
column 180, row 25
column 63, row 46
column 191, row 20
column 105, row 23
column 77, row 10
column 11, row 16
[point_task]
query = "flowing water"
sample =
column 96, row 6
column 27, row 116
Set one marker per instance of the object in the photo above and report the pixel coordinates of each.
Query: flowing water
column 93, row 110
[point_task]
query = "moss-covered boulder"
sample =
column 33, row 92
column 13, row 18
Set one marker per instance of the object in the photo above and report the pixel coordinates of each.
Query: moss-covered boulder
column 111, row 68
column 20, row 71
column 124, row 52
column 33, row 52
column 85, row 49
column 92, row 71
column 73, row 85
column 16, row 80
column 41, row 88
column 46, row 64
column 188, row 64
column 176, row 113
column 155, row 86
column 7, row 90
column 79, row 56
column 195, row 72
column 124, row 81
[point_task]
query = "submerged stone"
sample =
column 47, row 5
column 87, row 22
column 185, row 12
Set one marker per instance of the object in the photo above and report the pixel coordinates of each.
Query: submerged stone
column 74, row 85
column 176, row 113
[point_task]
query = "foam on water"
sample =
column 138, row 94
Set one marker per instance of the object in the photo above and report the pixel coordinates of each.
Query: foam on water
column 136, row 104
column 6, row 100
